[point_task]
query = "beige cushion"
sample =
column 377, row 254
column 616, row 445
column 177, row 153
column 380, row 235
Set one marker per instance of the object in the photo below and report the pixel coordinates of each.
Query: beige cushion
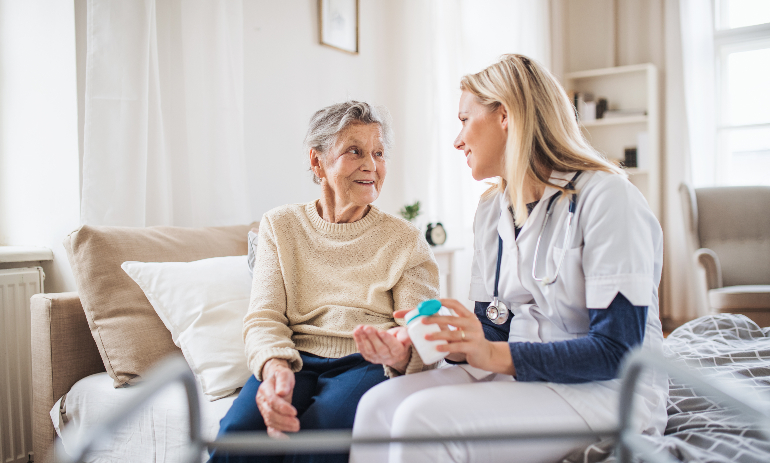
column 732, row 298
column 127, row 331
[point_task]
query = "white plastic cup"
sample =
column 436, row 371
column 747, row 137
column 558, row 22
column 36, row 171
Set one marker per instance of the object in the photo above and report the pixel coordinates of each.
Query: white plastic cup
column 418, row 330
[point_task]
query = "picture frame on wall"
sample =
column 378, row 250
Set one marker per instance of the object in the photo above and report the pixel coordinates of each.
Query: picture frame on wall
column 338, row 24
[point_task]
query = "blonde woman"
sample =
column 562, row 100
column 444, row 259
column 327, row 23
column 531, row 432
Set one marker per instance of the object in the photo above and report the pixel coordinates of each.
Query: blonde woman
column 566, row 268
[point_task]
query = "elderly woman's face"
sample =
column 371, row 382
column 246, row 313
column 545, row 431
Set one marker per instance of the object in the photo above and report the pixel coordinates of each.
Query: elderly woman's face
column 354, row 167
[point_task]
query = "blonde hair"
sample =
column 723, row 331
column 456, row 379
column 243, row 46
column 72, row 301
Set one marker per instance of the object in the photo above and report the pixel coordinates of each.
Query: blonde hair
column 543, row 134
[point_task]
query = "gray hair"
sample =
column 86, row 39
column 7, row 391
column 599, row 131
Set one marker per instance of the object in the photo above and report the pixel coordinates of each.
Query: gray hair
column 330, row 121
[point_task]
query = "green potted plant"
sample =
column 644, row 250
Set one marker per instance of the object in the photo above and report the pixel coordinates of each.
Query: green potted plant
column 410, row 211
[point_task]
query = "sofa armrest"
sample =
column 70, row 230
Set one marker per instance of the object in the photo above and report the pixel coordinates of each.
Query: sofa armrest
column 63, row 352
column 709, row 261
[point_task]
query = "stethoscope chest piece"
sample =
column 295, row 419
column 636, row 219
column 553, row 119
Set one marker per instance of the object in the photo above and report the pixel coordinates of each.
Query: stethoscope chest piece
column 497, row 312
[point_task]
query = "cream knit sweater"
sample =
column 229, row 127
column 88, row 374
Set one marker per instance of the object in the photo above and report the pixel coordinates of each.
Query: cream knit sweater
column 315, row 281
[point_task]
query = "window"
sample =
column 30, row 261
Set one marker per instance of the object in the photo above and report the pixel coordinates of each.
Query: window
column 742, row 46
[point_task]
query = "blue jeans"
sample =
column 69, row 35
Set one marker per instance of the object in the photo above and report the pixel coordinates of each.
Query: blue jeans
column 326, row 394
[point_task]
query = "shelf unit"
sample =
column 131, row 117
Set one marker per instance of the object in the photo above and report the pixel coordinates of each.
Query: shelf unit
column 625, row 88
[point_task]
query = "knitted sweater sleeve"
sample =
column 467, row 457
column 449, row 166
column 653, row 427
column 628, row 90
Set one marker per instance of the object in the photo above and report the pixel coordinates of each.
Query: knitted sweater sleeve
column 266, row 332
column 420, row 281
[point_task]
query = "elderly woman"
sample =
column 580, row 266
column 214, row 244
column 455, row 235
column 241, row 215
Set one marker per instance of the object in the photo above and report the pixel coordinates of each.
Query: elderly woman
column 328, row 276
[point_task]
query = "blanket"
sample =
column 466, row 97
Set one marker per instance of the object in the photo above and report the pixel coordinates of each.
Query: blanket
column 726, row 346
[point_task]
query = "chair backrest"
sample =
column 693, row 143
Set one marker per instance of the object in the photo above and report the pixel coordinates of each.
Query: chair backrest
column 734, row 222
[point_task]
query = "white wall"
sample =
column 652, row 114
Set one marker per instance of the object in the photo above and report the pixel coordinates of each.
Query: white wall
column 289, row 75
column 39, row 200
column 592, row 34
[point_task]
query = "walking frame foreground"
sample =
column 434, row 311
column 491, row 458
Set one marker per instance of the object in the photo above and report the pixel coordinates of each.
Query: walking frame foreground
column 628, row 442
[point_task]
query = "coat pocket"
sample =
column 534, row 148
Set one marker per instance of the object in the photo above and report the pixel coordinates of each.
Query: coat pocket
column 567, row 295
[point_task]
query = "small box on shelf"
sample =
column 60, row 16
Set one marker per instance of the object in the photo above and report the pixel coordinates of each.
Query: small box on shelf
column 629, row 157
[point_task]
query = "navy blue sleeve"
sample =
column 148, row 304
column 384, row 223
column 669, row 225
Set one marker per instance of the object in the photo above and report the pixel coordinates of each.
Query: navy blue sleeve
column 596, row 357
column 491, row 331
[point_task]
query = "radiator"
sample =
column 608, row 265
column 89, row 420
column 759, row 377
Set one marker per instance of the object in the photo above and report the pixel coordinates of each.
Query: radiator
column 16, row 287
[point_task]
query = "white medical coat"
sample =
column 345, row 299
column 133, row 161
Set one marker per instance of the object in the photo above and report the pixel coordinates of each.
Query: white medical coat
column 616, row 247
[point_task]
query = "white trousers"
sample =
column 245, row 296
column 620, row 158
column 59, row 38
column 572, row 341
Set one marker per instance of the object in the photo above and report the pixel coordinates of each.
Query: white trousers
column 449, row 401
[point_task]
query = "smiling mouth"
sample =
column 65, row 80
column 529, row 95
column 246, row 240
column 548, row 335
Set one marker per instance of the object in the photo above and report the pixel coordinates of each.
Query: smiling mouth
column 364, row 182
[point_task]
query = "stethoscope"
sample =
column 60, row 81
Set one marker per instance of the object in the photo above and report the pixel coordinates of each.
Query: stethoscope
column 497, row 311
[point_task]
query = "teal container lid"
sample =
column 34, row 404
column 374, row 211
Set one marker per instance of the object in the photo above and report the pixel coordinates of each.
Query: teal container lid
column 426, row 309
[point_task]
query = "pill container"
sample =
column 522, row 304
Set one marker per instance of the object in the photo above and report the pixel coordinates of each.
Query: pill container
column 417, row 330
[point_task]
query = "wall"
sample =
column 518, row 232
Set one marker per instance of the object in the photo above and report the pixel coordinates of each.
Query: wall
column 289, row 75
column 592, row 34
column 39, row 199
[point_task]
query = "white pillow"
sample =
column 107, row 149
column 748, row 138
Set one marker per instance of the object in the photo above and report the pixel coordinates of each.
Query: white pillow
column 202, row 304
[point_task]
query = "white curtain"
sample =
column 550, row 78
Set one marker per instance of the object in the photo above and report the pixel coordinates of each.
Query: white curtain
column 697, row 31
column 690, row 138
column 163, row 133
column 466, row 37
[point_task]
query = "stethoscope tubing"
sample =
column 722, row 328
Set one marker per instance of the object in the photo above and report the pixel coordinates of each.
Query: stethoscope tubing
column 567, row 237
column 500, row 310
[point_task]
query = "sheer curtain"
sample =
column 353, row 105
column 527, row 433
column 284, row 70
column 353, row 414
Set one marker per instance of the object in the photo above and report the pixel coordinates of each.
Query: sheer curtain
column 699, row 69
column 690, row 138
column 163, row 133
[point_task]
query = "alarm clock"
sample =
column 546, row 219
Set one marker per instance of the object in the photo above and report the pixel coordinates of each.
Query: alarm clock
column 435, row 235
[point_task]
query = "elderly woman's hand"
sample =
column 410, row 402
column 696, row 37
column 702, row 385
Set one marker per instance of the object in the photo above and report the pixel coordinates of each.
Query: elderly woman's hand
column 391, row 347
column 274, row 398
column 469, row 339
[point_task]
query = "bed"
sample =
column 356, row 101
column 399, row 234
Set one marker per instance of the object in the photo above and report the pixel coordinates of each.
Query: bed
column 725, row 346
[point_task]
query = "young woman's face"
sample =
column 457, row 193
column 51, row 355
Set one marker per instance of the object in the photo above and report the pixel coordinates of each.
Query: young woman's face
column 482, row 137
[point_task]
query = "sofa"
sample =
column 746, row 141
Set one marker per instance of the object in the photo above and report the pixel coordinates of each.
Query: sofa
column 109, row 330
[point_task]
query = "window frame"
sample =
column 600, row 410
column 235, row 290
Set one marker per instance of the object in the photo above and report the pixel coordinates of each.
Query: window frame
column 726, row 42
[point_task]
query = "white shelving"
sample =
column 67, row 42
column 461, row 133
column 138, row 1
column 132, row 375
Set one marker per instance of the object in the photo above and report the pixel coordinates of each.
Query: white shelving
column 626, row 88
column 616, row 121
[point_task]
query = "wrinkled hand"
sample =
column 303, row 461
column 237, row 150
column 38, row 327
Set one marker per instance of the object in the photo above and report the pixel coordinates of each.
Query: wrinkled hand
column 274, row 398
column 391, row 348
column 469, row 340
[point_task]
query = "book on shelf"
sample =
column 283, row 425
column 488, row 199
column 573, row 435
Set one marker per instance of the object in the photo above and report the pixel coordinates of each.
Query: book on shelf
column 585, row 106
column 589, row 109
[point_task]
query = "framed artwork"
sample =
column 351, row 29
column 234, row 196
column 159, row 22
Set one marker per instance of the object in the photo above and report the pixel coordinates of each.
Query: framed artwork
column 338, row 24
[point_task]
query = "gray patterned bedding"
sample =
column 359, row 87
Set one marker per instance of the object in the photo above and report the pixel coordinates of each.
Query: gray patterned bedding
column 727, row 346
